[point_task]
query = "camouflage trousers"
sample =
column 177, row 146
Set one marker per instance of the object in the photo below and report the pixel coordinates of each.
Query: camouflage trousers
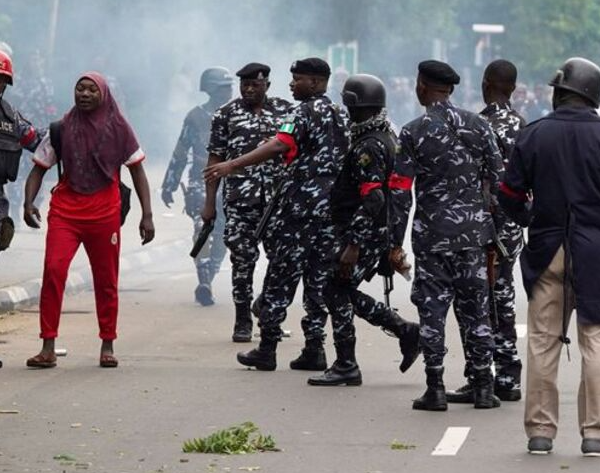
column 506, row 359
column 342, row 297
column 301, row 251
column 440, row 279
column 240, row 224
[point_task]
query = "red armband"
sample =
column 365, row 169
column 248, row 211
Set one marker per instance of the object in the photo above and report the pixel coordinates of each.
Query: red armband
column 289, row 141
column 396, row 181
column 28, row 137
column 513, row 194
column 368, row 187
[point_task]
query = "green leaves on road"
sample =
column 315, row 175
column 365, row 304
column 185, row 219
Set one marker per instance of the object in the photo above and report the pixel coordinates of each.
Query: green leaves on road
column 396, row 445
column 235, row 440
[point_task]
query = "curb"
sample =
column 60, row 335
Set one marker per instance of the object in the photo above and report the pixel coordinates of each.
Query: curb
column 28, row 292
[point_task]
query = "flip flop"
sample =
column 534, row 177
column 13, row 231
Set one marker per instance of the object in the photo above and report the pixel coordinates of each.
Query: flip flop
column 108, row 361
column 42, row 361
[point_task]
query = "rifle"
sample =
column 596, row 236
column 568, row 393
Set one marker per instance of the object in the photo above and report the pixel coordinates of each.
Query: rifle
column 259, row 233
column 388, row 287
column 207, row 228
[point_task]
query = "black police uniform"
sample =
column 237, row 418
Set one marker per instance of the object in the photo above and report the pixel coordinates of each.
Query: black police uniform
column 16, row 133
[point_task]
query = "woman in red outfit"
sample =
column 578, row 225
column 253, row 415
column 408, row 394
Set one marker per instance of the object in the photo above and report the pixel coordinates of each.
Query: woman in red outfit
column 96, row 141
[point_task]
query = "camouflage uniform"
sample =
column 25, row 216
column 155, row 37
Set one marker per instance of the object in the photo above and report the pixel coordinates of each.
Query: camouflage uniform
column 451, row 225
column 360, row 221
column 302, row 231
column 237, row 130
column 505, row 123
column 194, row 135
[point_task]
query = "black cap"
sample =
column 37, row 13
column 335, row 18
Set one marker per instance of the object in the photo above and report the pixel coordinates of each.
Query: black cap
column 439, row 72
column 312, row 66
column 254, row 70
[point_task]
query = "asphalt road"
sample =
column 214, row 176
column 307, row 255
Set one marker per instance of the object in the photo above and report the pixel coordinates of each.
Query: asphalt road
column 178, row 379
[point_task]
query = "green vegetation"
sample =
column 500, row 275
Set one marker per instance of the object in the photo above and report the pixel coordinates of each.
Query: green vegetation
column 396, row 445
column 235, row 440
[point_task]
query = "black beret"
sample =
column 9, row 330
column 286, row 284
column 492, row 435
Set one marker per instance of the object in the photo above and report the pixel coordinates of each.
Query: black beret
column 254, row 70
column 438, row 71
column 312, row 66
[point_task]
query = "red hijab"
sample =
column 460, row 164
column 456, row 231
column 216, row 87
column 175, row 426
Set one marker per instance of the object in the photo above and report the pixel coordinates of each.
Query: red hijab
column 95, row 144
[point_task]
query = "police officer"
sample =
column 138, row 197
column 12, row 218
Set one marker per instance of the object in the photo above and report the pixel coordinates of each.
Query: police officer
column 237, row 128
column 314, row 140
column 16, row 133
column 34, row 98
column 552, row 184
column 499, row 82
column 217, row 83
column 449, row 152
column 360, row 206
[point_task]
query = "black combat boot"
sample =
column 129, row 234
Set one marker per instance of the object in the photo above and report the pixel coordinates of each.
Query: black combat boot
column 262, row 358
column 507, row 385
column 463, row 395
column 312, row 357
column 242, row 330
column 434, row 398
column 408, row 336
column 483, row 389
column 344, row 369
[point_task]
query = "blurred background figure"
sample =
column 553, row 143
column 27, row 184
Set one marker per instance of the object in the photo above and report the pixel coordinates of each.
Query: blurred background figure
column 190, row 150
column 337, row 85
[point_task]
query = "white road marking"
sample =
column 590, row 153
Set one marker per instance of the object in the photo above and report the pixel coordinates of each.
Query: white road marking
column 452, row 441
column 521, row 330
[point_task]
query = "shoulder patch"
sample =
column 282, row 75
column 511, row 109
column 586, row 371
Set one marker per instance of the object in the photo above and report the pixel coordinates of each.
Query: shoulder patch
column 364, row 160
column 287, row 128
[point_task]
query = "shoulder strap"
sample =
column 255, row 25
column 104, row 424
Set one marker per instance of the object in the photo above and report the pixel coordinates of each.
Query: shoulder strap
column 56, row 145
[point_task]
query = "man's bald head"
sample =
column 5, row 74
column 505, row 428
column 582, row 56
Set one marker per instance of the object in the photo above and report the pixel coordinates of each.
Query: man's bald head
column 499, row 81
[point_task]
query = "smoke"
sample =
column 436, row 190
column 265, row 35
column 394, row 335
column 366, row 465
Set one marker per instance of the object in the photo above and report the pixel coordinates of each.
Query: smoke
column 155, row 50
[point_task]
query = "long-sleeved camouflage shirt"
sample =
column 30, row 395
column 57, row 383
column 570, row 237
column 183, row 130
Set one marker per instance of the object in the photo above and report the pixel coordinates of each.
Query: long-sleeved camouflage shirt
column 506, row 124
column 318, row 136
column 237, row 130
column 449, row 152
column 194, row 135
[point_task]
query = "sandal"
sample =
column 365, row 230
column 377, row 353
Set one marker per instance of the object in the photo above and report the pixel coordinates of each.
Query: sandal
column 42, row 361
column 108, row 361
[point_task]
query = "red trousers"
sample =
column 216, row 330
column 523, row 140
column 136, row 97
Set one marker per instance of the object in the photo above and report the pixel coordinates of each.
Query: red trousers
column 102, row 242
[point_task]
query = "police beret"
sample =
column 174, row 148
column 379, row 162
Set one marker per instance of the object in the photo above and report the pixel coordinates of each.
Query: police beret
column 254, row 70
column 312, row 66
column 438, row 71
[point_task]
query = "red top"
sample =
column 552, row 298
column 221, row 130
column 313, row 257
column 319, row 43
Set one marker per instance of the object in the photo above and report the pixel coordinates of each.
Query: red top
column 100, row 205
